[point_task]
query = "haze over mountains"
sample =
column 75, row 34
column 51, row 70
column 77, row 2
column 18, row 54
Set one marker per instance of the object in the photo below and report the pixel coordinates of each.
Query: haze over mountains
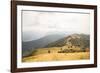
column 27, row 47
column 55, row 40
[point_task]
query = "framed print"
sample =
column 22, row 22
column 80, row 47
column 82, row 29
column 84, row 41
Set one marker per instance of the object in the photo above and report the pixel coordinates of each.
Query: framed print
column 52, row 36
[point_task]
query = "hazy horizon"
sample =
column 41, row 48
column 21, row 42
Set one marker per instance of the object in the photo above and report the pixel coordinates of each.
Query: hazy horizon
column 39, row 24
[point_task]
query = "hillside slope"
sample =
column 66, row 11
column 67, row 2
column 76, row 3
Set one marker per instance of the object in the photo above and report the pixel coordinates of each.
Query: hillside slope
column 80, row 40
column 28, row 47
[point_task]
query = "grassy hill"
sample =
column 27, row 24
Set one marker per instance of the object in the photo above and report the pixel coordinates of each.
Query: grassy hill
column 57, row 54
column 28, row 47
column 73, row 47
column 57, row 57
column 80, row 40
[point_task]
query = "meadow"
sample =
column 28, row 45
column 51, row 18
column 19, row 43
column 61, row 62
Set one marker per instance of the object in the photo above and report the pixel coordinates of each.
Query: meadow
column 57, row 54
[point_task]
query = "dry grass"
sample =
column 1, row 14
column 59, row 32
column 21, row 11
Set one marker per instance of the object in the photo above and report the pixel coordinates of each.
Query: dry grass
column 57, row 57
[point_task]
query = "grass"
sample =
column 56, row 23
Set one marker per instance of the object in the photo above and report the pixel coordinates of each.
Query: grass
column 53, row 54
column 57, row 57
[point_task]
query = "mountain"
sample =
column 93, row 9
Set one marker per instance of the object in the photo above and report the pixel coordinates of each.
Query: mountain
column 81, row 40
column 27, row 47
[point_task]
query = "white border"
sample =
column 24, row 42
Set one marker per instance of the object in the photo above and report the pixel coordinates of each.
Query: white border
column 53, row 63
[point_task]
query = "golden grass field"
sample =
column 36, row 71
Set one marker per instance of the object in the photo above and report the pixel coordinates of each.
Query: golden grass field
column 57, row 57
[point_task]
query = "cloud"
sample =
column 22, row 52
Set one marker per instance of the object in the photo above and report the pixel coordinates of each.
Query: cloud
column 44, row 22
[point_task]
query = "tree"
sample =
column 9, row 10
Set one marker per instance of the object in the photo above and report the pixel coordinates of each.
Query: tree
column 48, row 51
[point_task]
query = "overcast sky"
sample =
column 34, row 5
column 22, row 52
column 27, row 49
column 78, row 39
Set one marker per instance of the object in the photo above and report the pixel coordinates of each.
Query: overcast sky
column 41, row 23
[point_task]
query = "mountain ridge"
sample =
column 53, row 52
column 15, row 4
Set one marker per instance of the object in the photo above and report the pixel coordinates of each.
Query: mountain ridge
column 27, row 47
column 80, row 40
